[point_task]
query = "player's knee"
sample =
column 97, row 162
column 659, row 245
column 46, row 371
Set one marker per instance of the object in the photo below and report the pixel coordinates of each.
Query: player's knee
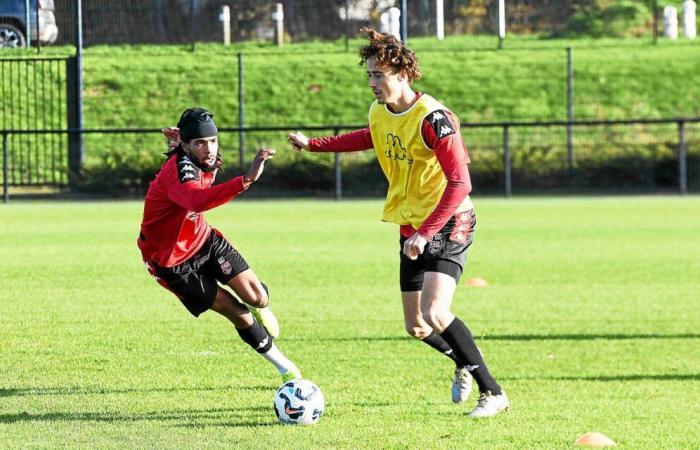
column 259, row 297
column 432, row 317
column 232, row 310
column 417, row 331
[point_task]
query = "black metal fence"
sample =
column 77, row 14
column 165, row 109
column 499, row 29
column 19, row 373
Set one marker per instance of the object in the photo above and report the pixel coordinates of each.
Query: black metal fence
column 630, row 156
column 34, row 98
column 187, row 21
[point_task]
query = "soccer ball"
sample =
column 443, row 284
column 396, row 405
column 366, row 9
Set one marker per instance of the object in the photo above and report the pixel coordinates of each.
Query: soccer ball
column 299, row 402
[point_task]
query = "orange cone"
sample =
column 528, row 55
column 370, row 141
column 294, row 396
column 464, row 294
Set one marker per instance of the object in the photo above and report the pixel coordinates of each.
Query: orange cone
column 595, row 439
column 476, row 282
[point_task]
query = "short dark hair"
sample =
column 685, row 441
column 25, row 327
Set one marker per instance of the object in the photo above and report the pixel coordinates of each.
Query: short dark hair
column 388, row 51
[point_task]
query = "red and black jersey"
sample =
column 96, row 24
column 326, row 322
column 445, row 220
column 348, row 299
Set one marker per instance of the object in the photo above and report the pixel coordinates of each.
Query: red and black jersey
column 173, row 226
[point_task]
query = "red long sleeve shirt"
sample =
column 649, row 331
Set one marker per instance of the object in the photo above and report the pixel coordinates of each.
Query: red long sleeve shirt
column 450, row 152
column 173, row 227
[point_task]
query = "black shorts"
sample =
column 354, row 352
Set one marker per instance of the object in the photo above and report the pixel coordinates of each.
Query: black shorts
column 194, row 281
column 445, row 253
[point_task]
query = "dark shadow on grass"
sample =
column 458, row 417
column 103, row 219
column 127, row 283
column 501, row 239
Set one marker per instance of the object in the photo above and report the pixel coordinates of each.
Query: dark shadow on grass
column 587, row 337
column 4, row 392
column 190, row 417
column 510, row 337
column 656, row 377
column 264, row 422
column 77, row 390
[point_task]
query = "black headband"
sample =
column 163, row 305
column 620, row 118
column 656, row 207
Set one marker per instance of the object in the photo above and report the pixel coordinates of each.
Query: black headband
column 196, row 123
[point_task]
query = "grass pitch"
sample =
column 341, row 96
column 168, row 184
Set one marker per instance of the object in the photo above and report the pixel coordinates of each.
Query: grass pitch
column 590, row 322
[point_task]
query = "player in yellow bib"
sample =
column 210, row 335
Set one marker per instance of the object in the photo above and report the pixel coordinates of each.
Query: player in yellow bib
column 421, row 153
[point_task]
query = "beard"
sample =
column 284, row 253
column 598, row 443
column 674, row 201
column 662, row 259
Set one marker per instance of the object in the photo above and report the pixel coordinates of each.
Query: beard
column 206, row 167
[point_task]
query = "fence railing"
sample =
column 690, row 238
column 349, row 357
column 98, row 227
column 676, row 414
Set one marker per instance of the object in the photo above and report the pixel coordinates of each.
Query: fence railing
column 185, row 21
column 588, row 156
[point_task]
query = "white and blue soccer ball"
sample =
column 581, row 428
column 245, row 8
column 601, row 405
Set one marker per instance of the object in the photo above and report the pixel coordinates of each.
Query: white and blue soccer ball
column 299, row 402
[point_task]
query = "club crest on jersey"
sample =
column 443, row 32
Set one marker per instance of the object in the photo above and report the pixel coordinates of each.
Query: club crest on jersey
column 395, row 150
column 225, row 265
column 186, row 170
column 441, row 124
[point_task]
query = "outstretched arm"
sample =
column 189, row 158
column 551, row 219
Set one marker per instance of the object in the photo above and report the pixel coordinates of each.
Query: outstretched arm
column 191, row 196
column 258, row 165
column 354, row 141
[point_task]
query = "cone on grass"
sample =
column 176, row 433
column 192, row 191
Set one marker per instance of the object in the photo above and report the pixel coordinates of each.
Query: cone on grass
column 595, row 439
column 476, row 282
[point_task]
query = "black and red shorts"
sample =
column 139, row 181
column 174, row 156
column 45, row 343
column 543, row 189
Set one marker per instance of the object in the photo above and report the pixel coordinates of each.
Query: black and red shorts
column 194, row 281
column 445, row 253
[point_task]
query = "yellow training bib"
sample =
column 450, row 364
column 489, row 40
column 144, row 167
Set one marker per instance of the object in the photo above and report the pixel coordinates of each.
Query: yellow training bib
column 416, row 180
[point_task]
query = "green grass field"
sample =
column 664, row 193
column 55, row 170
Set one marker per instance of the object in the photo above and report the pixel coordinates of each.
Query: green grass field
column 590, row 322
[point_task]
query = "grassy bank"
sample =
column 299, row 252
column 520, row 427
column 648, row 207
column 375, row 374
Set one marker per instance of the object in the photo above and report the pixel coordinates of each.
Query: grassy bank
column 321, row 83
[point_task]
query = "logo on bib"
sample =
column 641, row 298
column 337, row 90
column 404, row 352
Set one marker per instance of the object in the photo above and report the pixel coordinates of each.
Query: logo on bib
column 395, row 150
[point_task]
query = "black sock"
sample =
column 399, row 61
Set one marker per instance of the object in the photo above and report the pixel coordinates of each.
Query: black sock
column 458, row 336
column 256, row 336
column 439, row 344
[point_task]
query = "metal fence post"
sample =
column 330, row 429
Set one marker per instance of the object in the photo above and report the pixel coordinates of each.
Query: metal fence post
column 5, row 170
column 241, row 113
column 338, row 173
column 570, row 112
column 347, row 25
column 74, row 120
column 38, row 29
column 507, row 162
column 655, row 20
column 27, row 23
column 404, row 21
column 74, row 86
column 682, row 160
column 193, row 24
column 278, row 17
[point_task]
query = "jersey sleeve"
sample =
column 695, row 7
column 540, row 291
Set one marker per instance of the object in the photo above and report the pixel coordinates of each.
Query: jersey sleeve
column 440, row 131
column 190, row 195
column 354, row 141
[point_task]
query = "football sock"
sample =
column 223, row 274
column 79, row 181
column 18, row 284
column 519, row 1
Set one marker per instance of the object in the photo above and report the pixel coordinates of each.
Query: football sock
column 458, row 336
column 434, row 340
column 256, row 336
column 281, row 363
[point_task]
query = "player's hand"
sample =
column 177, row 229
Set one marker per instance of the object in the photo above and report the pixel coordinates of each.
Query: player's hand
column 172, row 134
column 413, row 246
column 258, row 165
column 298, row 141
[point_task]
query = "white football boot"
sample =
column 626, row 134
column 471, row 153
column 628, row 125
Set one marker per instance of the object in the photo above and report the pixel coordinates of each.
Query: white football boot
column 461, row 385
column 490, row 405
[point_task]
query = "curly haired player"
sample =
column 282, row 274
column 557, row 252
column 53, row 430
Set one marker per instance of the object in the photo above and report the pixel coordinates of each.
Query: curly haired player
column 190, row 258
column 421, row 153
